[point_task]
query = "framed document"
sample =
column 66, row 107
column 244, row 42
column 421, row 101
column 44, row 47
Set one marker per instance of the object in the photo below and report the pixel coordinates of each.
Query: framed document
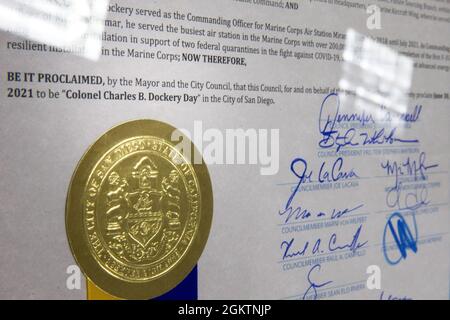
column 224, row 149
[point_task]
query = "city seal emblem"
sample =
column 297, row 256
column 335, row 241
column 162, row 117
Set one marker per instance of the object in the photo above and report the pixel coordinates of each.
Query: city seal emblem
column 138, row 211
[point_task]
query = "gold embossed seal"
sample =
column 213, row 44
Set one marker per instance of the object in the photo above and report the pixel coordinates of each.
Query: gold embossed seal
column 138, row 211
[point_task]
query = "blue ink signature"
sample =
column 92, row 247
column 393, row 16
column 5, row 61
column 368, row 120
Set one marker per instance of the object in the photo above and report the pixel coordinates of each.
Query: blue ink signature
column 312, row 285
column 403, row 237
column 396, row 197
column 300, row 213
column 409, row 167
column 316, row 247
column 405, row 117
column 299, row 167
column 333, row 137
column 391, row 297
column 353, row 246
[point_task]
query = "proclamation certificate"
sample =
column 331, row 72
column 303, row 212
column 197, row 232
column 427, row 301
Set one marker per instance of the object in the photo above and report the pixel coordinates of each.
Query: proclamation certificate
column 227, row 149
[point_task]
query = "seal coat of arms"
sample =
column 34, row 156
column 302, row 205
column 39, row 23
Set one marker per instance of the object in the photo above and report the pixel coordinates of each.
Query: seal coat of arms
column 138, row 212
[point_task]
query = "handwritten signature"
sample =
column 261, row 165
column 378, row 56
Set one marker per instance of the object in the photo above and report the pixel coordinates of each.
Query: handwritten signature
column 313, row 286
column 332, row 136
column 299, row 213
column 404, row 239
column 409, row 167
column 299, row 167
column 392, row 297
column 397, row 196
column 290, row 251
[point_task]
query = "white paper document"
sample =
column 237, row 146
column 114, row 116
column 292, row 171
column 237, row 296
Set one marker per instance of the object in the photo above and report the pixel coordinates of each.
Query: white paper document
column 324, row 126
